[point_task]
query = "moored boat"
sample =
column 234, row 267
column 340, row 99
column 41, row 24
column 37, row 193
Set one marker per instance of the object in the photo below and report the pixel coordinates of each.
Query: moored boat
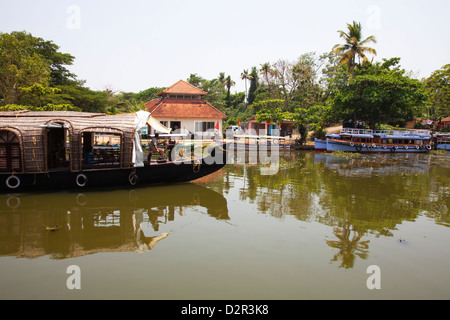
column 320, row 145
column 256, row 142
column 442, row 141
column 378, row 141
column 76, row 150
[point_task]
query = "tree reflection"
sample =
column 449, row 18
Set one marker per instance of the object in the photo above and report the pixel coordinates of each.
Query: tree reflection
column 356, row 196
column 349, row 245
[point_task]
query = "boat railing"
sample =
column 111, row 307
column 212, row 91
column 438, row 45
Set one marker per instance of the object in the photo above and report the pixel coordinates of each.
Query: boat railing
column 419, row 132
column 356, row 131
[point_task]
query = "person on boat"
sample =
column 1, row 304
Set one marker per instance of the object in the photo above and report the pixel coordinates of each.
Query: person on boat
column 153, row 146
column 89, row 156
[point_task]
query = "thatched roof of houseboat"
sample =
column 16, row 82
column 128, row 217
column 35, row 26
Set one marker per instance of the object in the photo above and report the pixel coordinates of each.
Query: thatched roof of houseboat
column 28, row 120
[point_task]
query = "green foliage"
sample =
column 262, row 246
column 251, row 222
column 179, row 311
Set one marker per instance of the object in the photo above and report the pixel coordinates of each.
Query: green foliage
column 253, row 85
column 48, row 107
column 354, row 47
column 36, row 93
column 380, row 94
column 314, row 118
column 84, row 98
column 20, row 66
column 57, row 61
column 313, row 90
column 438, row 87
column 14, row 107
column 215, row 88
column 269, row 104
column 274, row 115
column 143, row 96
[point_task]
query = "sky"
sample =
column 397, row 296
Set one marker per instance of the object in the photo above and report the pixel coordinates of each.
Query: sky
column 134, row 45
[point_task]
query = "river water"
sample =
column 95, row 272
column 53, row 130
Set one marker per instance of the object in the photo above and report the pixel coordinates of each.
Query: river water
column 311, row 226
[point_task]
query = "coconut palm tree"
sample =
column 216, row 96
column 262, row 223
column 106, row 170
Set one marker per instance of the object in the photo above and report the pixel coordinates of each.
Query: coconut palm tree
column 245, row 76
column 228, row 83
column 354, row 46
column 265, row 71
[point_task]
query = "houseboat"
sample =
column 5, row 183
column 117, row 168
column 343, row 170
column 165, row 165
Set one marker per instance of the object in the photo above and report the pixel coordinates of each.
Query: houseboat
column 67, row 150
column 377, row 141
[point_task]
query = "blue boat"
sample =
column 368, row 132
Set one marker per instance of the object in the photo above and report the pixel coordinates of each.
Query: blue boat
column 320, row 145
column 442, row 141
column 377, row 141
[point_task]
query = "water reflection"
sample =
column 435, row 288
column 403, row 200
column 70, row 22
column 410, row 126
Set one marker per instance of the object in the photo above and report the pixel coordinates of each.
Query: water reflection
column 358, row 197
column 67, row 225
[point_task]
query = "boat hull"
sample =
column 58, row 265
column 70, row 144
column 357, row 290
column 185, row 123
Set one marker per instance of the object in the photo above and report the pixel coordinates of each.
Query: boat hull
column 154, row 173
column 320, row 145
column 443, row 147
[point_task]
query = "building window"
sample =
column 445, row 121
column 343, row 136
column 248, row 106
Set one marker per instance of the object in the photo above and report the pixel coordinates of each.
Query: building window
column 203, row 126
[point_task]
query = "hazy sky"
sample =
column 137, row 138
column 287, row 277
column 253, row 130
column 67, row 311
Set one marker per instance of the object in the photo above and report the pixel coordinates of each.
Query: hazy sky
column 134, row 45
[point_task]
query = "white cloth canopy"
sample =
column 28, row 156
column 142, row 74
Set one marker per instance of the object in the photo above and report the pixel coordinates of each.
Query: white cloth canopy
column 139, row 122
column 157, row 126
column 142, row 119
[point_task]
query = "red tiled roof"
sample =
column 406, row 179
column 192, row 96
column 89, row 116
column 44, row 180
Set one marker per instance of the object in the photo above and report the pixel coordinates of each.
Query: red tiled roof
column 182, row 108
column 446, row 119
column 182, row 87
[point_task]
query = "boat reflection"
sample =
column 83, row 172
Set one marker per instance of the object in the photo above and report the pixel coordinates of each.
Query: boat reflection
column 66, row 225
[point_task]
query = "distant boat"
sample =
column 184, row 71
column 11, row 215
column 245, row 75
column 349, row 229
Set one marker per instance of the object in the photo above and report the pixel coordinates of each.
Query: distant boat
column 376, row 141
column 442, row 141
column 77, row 150
column 320, row 145
column 257, row 142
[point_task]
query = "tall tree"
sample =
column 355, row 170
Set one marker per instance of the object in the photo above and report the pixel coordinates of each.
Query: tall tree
column 266, row 71
column 38, row 92
column 228, row 84
column 380, row 93
column 245, row 76
column 253, row 85
column 354, row 47
column 438, row 86
column 20, row 66
column 59, row 74
column 195, row 80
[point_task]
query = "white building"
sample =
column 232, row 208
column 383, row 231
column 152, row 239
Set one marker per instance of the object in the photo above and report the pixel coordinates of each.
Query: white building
column 181, row 107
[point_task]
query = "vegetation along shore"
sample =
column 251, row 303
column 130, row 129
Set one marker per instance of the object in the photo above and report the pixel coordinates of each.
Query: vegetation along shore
column 316, row 91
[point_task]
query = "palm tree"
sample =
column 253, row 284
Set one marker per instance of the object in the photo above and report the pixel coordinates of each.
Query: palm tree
column 265, row 71
column 228, row 83
column 354, row 46
column 245, row 76
column 253, row 77
column 221, row 77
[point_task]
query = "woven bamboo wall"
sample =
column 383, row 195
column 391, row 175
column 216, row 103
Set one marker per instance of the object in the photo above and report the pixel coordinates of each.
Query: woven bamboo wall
column 34, row 138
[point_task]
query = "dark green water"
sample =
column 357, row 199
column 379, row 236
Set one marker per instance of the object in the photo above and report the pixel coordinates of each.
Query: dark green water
column 307, row 228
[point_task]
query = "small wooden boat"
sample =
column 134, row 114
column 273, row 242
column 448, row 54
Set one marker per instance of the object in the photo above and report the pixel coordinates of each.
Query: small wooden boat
column 66, row 150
